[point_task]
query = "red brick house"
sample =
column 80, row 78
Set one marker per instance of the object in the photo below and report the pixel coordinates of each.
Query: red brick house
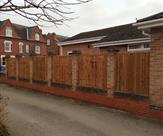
column 120, row 38
column 20, row 40
column 154, row 26
column 51, row 41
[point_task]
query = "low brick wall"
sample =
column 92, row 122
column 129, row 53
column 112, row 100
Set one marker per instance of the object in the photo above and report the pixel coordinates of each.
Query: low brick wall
column 140, row 108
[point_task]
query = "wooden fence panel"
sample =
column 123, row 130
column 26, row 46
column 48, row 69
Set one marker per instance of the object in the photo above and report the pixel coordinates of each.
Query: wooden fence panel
column 62, row 69
column 11, row 67
column 92, row 71
column 24, row 68
column 132, row 73
column 40, row 68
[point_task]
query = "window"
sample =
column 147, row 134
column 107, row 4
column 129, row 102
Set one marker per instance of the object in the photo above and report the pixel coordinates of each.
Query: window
column 69, row 52
column 3, row 60
column 37, row 36
column 48, row 41
column 146, row 45
column 73, row 52
column 8, row 32
column 20, row 47
column 37, row 49
column 139, row 47
column 27, row 48
column 7, row 46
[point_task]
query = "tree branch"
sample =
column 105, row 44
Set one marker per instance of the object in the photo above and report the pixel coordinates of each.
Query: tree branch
column 51, row 11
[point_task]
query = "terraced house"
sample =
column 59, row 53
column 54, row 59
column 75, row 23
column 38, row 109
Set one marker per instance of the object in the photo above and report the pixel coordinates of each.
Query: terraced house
column 22, row 40
column 122, row 38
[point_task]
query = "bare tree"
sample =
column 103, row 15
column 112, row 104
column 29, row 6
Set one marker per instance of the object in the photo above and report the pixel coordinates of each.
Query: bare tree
column 51, row 11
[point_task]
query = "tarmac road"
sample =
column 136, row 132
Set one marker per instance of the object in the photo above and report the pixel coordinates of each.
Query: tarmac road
column 32, row 113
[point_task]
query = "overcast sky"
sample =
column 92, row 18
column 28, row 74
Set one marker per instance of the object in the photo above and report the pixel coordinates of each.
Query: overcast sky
column 99, row 14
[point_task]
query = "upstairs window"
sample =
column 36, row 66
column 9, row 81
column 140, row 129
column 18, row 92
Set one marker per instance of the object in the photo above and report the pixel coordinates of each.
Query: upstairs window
column 7, row 46
column 8, row 32
column 37, row 36
column 48, row 41
column 20, row 47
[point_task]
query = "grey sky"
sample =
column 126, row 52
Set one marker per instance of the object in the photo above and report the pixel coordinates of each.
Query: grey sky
column 99, row 14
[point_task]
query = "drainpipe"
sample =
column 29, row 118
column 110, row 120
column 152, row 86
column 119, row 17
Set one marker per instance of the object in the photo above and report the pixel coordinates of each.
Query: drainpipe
column 27, row 33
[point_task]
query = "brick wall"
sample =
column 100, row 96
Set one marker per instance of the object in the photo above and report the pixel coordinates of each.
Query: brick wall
column 156, row 67
column 88, row 49
column 52, row 48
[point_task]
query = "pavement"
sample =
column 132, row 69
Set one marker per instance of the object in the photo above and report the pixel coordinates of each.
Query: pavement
column 32, row 113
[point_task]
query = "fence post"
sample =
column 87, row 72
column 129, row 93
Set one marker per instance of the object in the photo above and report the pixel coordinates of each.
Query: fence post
column 6, row 69
column 49, row 70
column 17, row 67
column 31, row 69
column 74, row 71
column 111, row 73
column 6, row 72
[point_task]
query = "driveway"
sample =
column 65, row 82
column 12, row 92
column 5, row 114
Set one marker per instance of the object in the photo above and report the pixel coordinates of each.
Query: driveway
column 32, row 113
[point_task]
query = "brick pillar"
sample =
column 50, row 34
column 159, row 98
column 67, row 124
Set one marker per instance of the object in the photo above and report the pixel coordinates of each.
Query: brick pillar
column 111, row 73
column 49, row 70
column 156, row 68
column 31, row 69
column 74, row 71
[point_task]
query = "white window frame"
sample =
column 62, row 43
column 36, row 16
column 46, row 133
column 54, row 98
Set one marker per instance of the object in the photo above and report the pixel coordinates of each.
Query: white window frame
column 12, row 56
column 8, row 32
column 20, row 47
column 137, row 49
column 37, row 49
column 48, row 41
column 10, row 46
column 3, row 56
column 37, row 36
column 69, row 52
column 27, row 48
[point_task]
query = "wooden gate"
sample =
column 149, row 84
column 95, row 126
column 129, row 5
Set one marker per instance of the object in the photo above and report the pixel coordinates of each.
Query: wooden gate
column 62, row 69
column 132, row 73
column 92, row 71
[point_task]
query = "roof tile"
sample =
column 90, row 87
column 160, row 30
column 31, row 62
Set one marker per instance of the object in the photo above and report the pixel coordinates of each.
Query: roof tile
column 122, row 32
